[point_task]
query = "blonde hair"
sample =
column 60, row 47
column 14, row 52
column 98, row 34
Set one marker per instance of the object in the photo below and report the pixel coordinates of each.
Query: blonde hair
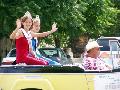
column 36, row 19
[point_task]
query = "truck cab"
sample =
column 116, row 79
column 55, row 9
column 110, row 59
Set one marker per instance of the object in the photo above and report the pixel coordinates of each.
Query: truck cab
column 110, row 47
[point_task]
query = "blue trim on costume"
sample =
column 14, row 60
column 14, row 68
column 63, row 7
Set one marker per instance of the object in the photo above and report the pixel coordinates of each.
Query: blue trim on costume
column 34, row 47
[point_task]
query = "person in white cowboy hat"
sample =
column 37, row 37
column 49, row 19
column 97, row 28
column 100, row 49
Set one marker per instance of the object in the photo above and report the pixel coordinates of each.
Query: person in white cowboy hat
column 91, row 60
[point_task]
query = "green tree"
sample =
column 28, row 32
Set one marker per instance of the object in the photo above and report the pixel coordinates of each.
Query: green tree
column 116, row 27
column 75, row 18
column 100, row 15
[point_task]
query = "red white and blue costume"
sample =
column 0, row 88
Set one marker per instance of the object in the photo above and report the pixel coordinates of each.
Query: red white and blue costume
column 22, row 51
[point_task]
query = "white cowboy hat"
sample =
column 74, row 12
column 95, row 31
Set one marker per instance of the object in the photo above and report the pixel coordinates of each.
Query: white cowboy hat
column 92, row 45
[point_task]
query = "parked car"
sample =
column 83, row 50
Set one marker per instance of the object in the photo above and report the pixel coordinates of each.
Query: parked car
column 109, row 43
column 110, row 46
column 10, row 58
column 55, row 54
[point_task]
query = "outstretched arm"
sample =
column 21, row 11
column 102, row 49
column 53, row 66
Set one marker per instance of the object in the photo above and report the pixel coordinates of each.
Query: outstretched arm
column 54, row 29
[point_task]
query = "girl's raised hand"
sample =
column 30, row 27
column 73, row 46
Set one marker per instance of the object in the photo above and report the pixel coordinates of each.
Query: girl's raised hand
column 18, row 23
column 54, row 28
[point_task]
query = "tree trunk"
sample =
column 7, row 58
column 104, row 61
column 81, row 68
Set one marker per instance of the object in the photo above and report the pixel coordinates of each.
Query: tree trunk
column 78, row 45
column 57, row 42
column 5, row 46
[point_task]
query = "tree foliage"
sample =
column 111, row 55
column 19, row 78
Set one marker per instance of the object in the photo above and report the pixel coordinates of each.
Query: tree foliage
column 74, row 17
column 100, row 15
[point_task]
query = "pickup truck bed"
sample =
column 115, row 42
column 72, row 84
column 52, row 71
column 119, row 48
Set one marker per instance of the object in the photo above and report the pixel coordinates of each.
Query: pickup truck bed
column 49, row 78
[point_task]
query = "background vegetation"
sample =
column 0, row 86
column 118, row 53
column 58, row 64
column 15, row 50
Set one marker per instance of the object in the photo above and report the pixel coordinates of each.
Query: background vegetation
column 77, row 21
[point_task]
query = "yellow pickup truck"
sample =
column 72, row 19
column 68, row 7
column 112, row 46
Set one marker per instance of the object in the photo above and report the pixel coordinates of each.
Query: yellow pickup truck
column 57, row 78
